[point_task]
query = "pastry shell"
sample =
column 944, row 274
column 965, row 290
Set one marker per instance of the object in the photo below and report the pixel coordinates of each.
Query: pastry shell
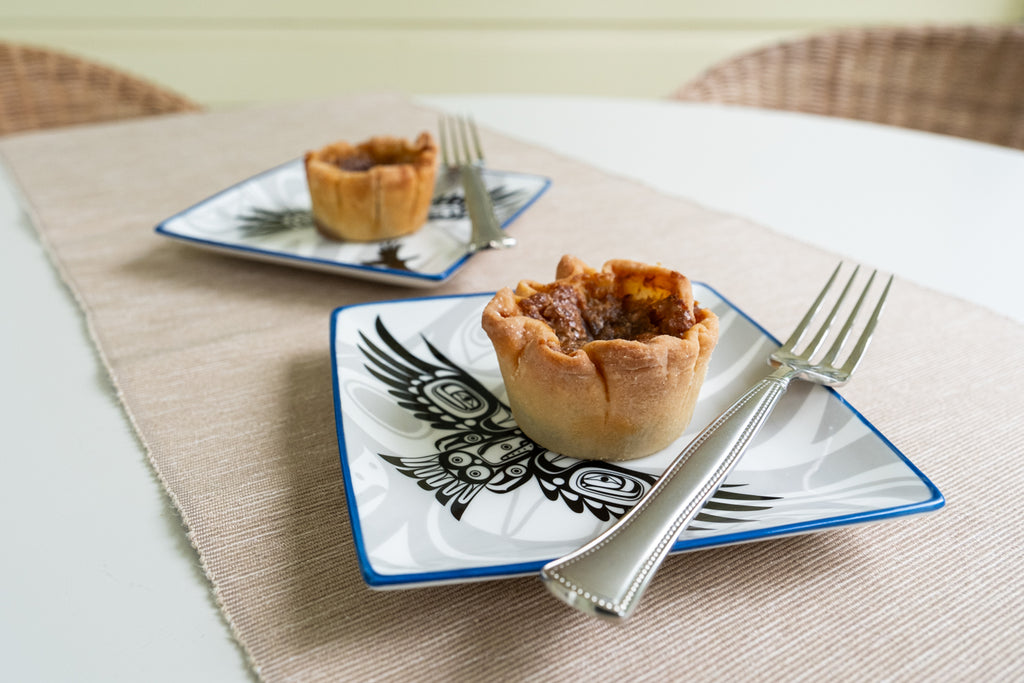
column 610, row 399
column 385, row 193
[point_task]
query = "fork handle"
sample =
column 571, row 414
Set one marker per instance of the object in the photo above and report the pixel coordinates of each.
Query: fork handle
column 607, row 576
column 487, row 232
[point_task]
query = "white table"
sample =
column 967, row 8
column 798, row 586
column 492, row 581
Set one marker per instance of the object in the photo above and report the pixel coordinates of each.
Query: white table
column 115, row 593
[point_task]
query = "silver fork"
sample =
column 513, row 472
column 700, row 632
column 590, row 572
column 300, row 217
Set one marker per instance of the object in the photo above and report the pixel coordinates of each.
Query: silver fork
column 607, row 577
column 456, row 153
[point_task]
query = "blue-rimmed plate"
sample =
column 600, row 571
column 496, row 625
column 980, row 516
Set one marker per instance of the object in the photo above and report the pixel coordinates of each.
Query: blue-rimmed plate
column 267, row 217
column 442, row 486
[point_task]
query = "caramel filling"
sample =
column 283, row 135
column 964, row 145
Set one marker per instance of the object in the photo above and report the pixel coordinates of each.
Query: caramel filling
column 596, row 311
column 363, row 161
column 357, row 163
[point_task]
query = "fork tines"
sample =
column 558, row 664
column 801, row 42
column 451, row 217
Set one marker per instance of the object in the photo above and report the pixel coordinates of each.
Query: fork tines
column 458, row 133
column 838, row 308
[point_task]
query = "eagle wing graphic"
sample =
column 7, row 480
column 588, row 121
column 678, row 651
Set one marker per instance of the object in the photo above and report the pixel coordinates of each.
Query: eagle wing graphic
column 483, row 446
column 440, row 393
column 605, row 489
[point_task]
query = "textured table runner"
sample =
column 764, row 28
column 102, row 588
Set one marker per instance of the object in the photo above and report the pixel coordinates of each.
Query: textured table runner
column 223, row 365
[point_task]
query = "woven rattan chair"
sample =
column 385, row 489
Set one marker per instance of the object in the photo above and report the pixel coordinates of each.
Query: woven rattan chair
column 962, row 81
column 40, row 88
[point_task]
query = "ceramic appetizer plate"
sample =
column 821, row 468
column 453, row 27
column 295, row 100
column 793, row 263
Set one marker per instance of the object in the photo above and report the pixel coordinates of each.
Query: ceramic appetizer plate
column 267, row 217
column 442, row 487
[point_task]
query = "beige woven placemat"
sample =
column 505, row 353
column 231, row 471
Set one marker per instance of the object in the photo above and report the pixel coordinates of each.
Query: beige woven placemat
column 223, row 365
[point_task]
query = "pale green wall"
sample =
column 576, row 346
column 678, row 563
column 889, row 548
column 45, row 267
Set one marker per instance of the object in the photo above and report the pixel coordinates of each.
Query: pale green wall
column 222, row 52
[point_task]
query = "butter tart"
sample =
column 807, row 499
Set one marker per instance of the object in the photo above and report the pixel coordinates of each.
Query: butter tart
column 376, row 190
column 602, row 364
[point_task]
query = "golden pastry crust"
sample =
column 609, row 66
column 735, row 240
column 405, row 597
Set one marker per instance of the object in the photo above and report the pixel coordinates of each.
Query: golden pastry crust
column 376, row 190
column 604, row 398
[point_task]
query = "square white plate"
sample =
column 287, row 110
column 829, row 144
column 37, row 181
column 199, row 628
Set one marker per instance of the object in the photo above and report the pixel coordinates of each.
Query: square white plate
column 442, row 487
column 267, row 217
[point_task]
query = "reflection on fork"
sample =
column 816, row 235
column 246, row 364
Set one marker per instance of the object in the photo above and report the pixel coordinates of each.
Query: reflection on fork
column 461, row 151
column 607, row 576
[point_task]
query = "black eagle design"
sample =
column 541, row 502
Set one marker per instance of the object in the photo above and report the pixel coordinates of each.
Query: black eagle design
column 388, row 257
column 484, row 449
column 452, row 205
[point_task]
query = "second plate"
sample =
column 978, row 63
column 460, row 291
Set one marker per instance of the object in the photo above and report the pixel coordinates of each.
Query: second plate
column 267, row 217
